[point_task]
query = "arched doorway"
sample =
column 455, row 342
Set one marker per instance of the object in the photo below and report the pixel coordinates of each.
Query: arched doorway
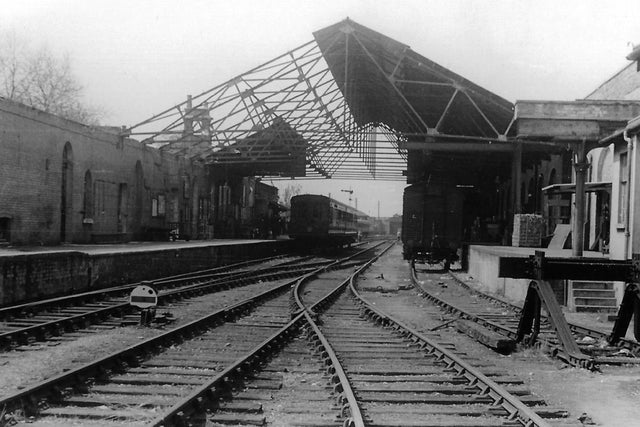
column 66, row 192
column 138, row 193
column 123, row 204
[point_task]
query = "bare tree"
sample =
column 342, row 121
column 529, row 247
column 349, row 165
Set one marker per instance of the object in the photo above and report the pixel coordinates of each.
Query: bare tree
column 12, row 66
column 42, row 80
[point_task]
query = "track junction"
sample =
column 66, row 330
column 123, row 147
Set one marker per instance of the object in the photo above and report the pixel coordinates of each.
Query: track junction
column 307, row 350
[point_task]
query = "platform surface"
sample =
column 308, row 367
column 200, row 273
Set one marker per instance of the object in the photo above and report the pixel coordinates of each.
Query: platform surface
column 123, row 247
column 515, row 251
column 484, row 267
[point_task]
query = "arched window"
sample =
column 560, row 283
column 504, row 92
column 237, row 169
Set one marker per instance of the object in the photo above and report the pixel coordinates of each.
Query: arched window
column 87, row 205
column 66, row 191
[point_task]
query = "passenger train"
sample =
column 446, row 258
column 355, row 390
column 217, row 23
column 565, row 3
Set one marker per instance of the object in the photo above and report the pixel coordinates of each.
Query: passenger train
column 322, row 220
column 432, row 222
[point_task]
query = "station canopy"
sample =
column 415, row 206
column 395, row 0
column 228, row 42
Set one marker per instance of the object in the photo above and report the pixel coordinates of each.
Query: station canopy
column 344, row 105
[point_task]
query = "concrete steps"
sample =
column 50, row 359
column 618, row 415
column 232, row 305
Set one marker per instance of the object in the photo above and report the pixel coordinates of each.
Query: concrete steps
column 594, row 297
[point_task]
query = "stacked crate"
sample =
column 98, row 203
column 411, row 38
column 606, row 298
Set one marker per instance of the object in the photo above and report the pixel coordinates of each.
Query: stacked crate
column 527, row 230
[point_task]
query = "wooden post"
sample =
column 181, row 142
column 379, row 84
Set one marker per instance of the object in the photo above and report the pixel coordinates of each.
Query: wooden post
column 577, row 231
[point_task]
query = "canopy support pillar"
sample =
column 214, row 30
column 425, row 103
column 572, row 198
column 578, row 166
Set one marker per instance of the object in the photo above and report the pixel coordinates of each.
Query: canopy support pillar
column 581, row 166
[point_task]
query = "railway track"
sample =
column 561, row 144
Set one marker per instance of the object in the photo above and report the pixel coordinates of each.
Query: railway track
column 400, row 377
column 36, row 322
column 319, row 355
column 317, row 392
column 456, row 297
column 134, row 385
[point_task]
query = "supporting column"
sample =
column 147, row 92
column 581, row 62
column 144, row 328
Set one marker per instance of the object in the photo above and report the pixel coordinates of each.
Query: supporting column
column 516, row 178
column 577, row 230
column 632, row 220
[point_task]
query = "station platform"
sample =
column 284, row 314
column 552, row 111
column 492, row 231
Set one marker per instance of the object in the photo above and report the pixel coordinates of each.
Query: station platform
column 122, row 247
column 29, row 273
column 484, row 264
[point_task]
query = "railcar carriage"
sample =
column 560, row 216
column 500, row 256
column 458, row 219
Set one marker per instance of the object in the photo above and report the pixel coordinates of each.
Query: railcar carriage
column 432, row 222
column 364, row 226
column 319, row 219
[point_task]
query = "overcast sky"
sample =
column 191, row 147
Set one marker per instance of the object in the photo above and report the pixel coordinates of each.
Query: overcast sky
column 137, row 58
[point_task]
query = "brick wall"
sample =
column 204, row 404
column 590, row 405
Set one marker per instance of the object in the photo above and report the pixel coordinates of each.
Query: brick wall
column 527, row 230
column 31, row 277
column 26, row 278
column 31, row 169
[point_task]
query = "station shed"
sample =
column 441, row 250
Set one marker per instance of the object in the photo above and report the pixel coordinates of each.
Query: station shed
column 352, row 103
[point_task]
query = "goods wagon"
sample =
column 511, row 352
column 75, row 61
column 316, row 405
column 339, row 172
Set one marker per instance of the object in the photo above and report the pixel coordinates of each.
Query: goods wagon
column 322, row 220
column 432, row 223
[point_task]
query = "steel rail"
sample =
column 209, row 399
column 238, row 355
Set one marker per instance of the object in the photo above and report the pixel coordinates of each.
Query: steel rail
column 227, row 268
column 30, row 397
column 197, row 400
column 56, row 327
column 627, row 343
column 346, row 393
column 265, row 273
column 41, row 331
column 579, row 360
column 332, row 295
column 178, row 413
column 517, row 409
column 8, row 312
column 347, row 397
column 297, row 303
column 35, row 396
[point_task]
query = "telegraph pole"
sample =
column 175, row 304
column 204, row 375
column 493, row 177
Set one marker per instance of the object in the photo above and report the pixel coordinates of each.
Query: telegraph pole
column 350, row 191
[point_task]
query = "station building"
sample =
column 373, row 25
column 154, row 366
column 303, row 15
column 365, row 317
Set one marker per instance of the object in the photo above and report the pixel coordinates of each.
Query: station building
column 607, row 123
column 615, row 164
column 63, row 181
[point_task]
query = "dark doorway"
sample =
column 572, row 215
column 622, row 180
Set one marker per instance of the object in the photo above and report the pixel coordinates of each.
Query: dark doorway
column 66, row 190
column 123, row 199
column 138, row 192
column 603, row 201
column 5, row 229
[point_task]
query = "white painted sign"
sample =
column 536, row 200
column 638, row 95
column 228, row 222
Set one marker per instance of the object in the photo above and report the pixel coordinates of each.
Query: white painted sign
column 143, row 297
